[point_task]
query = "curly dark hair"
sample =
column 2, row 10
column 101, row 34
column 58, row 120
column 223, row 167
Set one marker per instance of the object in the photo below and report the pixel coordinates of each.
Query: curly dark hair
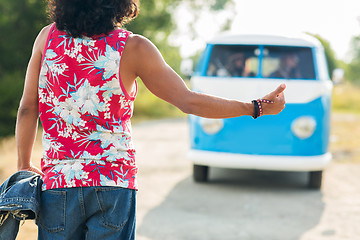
column 91, row 17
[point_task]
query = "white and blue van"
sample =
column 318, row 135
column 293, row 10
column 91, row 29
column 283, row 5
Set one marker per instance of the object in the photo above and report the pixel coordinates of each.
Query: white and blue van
column 247, row 67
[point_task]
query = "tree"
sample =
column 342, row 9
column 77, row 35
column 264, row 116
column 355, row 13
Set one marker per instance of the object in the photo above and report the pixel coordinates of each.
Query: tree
column 353, row 68
column 217, row 13
column 20, row 21
column 156, row 22
column 331, row 59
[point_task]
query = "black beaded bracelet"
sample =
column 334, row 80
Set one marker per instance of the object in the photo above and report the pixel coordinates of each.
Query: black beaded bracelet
column 256, row 109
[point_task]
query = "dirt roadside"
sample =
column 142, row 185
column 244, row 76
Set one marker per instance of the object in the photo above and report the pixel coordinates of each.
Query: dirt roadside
column 237, row 204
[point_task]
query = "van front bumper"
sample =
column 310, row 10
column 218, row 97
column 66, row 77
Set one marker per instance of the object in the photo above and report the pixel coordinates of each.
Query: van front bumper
column 260, row 162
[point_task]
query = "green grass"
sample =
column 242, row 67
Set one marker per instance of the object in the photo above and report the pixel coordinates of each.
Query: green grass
column 346, row 98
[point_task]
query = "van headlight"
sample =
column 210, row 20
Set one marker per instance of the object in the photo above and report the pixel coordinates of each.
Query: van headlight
column 211, row 126
column 303, row 127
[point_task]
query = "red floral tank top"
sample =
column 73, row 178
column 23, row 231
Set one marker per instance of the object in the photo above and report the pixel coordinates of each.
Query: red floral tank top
column 85, row 112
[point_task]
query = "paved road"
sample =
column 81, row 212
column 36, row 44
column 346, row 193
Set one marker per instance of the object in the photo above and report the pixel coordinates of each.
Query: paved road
column 236, row 204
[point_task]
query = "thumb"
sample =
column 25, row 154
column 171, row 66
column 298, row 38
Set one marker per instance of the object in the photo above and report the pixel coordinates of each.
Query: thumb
column 278, row 90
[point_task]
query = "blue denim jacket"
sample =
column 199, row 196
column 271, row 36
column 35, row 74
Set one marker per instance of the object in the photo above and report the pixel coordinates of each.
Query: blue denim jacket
column 19, row 200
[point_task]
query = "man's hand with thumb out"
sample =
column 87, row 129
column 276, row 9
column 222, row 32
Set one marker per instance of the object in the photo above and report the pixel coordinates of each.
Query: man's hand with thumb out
column 278, row 98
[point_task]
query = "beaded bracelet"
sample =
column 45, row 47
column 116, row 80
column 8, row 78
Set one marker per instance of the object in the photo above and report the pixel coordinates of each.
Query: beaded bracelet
column 265, row 101
column 258, row 109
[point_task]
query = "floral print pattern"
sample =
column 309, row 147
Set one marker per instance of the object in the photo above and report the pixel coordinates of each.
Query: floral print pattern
column 85, row 112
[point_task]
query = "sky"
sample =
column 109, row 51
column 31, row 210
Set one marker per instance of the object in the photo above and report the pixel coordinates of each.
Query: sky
column 335, row 20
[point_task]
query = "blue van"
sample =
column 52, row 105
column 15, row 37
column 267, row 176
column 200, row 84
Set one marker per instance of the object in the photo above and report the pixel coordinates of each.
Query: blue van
column 247, row 67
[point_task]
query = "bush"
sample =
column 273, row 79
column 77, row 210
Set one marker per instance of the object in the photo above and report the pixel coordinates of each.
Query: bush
column 10, row 91
column 20, row 22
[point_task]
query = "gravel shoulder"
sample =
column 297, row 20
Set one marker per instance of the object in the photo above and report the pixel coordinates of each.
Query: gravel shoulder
column 237, row 204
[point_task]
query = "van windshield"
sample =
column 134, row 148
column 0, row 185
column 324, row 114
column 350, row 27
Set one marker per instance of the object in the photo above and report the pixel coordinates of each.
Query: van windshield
column 288, row 62
column 233, row 61
column 277, row 62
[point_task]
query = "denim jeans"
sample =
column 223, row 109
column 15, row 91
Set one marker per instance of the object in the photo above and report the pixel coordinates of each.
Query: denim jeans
column 98, row 213
column 19, row 200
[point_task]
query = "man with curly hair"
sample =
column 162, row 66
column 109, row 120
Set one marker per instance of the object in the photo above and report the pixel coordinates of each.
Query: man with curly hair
column 81, row 81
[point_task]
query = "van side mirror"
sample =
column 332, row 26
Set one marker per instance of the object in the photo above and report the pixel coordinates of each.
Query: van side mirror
column 186, row 67
column 338, row 75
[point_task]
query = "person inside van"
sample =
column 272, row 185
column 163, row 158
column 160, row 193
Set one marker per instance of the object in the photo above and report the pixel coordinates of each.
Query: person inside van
column 236, row 66
column 288, row 67
column 233, row 66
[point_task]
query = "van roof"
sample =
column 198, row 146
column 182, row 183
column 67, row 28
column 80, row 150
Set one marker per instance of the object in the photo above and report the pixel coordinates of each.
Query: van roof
column 302, row 40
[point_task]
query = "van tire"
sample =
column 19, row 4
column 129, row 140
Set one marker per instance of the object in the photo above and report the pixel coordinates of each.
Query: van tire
column 200, row 173
column 315, row 179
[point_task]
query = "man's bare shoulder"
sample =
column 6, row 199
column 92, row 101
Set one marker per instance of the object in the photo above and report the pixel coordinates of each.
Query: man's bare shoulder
column 139, row 43
column 41, row 38
column 142, row 56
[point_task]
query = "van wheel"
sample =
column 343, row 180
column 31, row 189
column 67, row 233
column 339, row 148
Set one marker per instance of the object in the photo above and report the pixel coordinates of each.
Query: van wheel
column 315, row 179
column 200, row 173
